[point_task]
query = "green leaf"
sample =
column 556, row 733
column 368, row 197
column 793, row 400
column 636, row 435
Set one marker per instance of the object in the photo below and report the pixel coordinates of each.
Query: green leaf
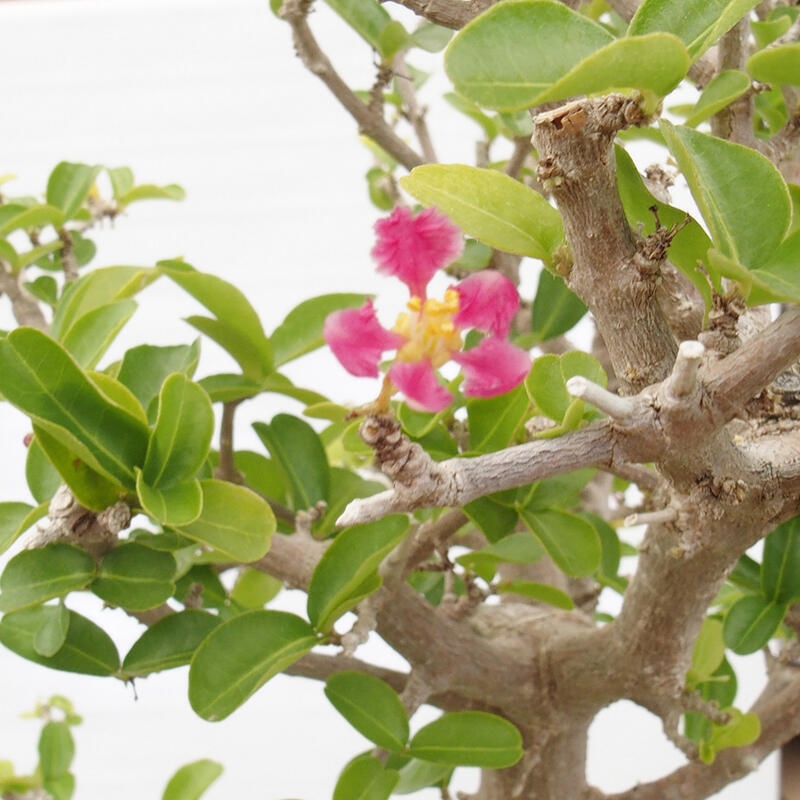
column 470, row 739
column 301, row 331
column 296, row 447
column 135, row 577
column 52, row 633
column 570, row 541
column 367, row 18
column 494, row 518
column 145, row 368
column 148, row 191
column 121, row 179
column 625, row 63
column 254, row 589
column 12, row 517
column 742, row 730
column 543, row 592
column 56, row 749
column 417, row 775
column 234, row 521
column 371, row 706
column 93, row 333
column 509, row 55
column 87, row 649
column 489, row 205
column 179, row 504
column 720, row 92
column 697, row 23
column 69, row 185
column 181, row 438
column 556, row 309
column 236, row 328
column 191, row 780
column 365, row 778
column 33, row 576
column 780, row 565
column 517, row 548
column 44, row 382
column 348, row 570
column 739, row 192
column 777, row 65
column 17, row 217
column 168, row 643
column 779, row 279
column 751, row 622
column 708, row 653
column 495, row 421
column 241, row 655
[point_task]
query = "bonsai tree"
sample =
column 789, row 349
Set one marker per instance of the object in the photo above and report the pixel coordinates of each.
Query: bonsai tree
column 475, row 514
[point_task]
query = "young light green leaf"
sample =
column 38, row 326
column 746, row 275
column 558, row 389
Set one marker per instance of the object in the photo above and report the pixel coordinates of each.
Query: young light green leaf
column 780, row 565
column 707, row 654
column 751, row 622
column 12, row 517
column 191, row 780
column 777, row 65
column 489, row 205
column 17, row 217
column 87, row 649
column 371, row 706
column 234, row 521
column 254, row 589
column 168, row 643
column 121, row 179
column 365, row 778
column 181, row 438
column 236, row 327
column 33, row 576
column 348, row 570
column 69, row 185
column 743, row 729
column 148, row 191
column 509, row 55
column 367, row 18
column 570, row 541
column 41, row 379
column 56, row 749
column 135, row 577
column 543, row 592
column 547, row 388
column 296, row 448
column 239, row 656
column 301, row 331
column 741, row 195
column 720, row 92
column 417, row 775
column 468, row 738
column 93, row 333
column 697, row 23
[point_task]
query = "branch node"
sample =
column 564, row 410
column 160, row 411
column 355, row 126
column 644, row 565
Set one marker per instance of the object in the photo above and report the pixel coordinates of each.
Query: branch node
column 616, row 407
column 683, row 380
column 668, row 514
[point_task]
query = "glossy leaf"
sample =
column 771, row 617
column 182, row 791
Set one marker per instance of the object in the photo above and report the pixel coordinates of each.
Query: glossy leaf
column 181, row 438
column 779, row 279
column 44, row 382
column 417, row 775
column 721, row 91
column 371, row 706
column 91, row 335
column 365, row 778
column 556, row 309
column 301, row 331
column 179, row 504
column 145, row 368
column 495, row 421
column 494, row 518
column 87, row 649
column 780, row 565
column 542, row 592
column 168, row 643
column 135, row 577
column 12, row 517
column 698, row 23
column 69, row 185
column 489, row 205
column 234, row 521
column 33, row 576
column 296, row 448
column 241, row 655
column 348, row 570
column 777, row 65
column 751, row 622
column 517, row 548
column 468, row 738
column 740, row 194
column 236, row 327
column 52, row 633
column 191, row 780
column 570, row 541
column 509, row 55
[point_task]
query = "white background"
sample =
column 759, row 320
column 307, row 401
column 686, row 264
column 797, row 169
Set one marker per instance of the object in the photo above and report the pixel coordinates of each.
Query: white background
column 208, row 94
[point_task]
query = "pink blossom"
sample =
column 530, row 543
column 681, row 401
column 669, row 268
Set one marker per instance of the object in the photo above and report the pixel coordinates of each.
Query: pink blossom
column 430, row 332
column 413, row 248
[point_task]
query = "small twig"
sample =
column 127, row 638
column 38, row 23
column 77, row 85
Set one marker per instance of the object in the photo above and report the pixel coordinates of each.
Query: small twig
column 522, row 149
column 683, row 380
column 25, row 309
column 67, row 255
column 414, row 113
column 619, row 408
column 651, row 517
column 226, row 469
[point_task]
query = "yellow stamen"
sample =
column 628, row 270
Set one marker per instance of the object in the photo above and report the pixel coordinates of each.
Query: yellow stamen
column 429, row 329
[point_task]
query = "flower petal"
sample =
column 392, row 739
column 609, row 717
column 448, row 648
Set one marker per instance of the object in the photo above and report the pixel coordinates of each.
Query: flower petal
column 487, row 300
column 358, row 340
column 417, row 381
column 494, row 367
column 414, row 248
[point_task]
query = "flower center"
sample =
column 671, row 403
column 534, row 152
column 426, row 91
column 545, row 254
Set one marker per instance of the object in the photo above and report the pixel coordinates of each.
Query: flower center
column 429, row 329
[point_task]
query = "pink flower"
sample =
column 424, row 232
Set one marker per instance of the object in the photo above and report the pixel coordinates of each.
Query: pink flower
column 414, row 248
column 429, row 333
